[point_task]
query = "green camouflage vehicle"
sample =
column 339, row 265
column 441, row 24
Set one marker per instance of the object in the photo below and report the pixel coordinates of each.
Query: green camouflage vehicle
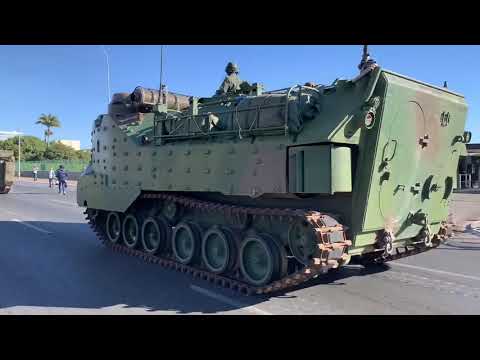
column 261, row 191
column 7, row 171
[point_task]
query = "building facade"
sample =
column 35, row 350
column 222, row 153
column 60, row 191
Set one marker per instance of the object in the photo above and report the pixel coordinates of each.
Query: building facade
column 75, row 144
column 5, row 135
column 469, row 168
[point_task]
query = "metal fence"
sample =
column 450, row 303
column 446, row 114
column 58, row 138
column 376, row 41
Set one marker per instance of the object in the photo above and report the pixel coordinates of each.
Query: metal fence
column 46, row 165
column 464, row 181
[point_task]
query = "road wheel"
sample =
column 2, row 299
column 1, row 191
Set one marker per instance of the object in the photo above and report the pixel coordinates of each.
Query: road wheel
column 302, row 241
column 186, row 242
column 259, row 260
column 155, row 235
column 282, row 257
column 131, row 231
column 113, row 227
column 218, row 250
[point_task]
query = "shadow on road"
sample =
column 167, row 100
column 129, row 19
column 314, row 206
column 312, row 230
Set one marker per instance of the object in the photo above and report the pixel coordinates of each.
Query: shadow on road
column 28, row 193
column 334, row 277
column 460, row 245
column 70, row 268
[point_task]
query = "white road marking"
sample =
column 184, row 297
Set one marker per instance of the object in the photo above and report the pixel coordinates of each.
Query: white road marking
column 9, row 212
column 436, row 271
column 64, row 202
column 31, row 226
column 229, row 301
column 475, row 230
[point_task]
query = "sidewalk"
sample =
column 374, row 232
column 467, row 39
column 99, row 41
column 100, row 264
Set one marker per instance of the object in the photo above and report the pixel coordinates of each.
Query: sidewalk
column 464, row 212
column 44, row 181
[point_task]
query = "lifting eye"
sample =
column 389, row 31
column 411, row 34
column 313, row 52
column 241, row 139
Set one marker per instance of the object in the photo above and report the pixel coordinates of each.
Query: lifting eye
column 145, row 140
column 369, row 120
column 467, row 136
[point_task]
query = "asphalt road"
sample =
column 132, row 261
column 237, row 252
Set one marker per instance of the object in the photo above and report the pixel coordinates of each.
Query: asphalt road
column 52, row 263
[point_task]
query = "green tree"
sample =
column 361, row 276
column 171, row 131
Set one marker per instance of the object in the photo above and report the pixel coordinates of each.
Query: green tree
column 32, row 148
column 84, row 155
column 50, row 121
column 59, row 151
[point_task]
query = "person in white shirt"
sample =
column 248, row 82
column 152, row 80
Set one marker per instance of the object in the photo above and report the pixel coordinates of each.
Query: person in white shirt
column 51, row 176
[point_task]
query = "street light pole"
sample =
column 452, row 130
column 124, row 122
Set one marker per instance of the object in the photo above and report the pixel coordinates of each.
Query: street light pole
column 108, row 73
column 19, row 173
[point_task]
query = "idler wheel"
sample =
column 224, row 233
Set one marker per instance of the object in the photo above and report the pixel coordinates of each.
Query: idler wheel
column 259, row 260
column 427, row 238
column 113, row 227
column 93, row 214
column 186, row 242
column 131, row 231
column 302, row 241
column 155, row 235
column 388, row 243
column 218, row 250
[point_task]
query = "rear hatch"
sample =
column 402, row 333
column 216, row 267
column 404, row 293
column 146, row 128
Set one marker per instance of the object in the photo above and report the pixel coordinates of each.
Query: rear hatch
column 420, row 138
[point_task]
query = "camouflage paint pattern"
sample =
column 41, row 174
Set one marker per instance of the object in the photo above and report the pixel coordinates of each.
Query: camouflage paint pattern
column 383, row 175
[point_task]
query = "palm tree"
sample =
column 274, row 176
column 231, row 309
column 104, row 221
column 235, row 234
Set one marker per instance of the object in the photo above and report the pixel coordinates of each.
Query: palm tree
column 47, row 133
column 50, row 121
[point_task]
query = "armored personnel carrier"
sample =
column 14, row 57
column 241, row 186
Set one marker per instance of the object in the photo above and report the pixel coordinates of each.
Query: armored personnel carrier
column 260, row 191
column 7, row 170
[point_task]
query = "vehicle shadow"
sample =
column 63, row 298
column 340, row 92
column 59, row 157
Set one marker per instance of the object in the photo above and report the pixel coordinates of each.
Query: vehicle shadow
column 29, row 193
column 460, row 245
column 334, row 277
column 64, row 265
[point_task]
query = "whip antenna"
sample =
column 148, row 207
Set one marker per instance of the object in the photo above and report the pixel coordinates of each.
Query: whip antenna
column 161, row 75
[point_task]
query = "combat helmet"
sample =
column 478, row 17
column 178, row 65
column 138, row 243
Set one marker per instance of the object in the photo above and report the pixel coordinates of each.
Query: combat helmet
column 231, row 68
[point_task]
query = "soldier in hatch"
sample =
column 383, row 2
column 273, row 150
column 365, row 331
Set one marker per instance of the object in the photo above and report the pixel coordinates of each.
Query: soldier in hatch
column 232, row 83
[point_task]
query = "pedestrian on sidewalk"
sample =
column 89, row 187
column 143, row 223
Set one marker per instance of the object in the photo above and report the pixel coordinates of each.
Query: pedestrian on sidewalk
column 62, row 177
column 51, row 176
column 35, row 173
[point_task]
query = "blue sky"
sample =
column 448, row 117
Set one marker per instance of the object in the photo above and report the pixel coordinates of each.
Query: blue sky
column 71, row 81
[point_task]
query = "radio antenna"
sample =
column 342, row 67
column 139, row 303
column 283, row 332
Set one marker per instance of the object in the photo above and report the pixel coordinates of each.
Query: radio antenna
column 365, row 57
column 161, row 76
column 367, row 62
column 108, row 74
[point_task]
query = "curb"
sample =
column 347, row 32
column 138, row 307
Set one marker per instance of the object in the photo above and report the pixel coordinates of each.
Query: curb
column 44, row 181
column 462, row 227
